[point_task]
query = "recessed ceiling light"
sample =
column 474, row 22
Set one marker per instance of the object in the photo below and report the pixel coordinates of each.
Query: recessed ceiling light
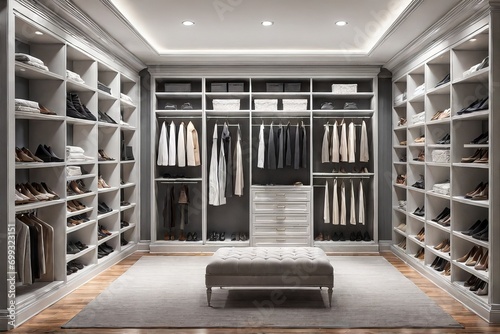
column 473, row 39
column 267, row 23
column 188, row 23
column 38, row 33
column 341, row 23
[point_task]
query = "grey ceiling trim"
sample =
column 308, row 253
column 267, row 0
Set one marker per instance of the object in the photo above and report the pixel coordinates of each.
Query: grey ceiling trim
column 112, row 8
column 395, row 26
column 93, row 38
column 466, row 12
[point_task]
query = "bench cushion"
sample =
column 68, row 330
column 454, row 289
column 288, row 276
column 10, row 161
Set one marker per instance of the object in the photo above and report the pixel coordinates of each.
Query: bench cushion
column 271, row 261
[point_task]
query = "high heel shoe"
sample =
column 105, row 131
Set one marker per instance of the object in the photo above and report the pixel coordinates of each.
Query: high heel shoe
column 101, row 183
column 474, row 259
column 483, row 264
column 104, row 155
column 468, row 255
column 474, row 157
column 475, row 191
column 482, row 195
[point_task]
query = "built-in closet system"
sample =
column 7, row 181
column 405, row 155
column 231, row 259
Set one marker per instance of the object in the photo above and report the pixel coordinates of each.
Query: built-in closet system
column 419, row 232
column 61, row 52
column 273, row 209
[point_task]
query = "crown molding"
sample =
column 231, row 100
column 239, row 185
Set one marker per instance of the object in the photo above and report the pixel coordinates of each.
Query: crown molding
column 68, row 18
column 466, row 13
column 413, row 6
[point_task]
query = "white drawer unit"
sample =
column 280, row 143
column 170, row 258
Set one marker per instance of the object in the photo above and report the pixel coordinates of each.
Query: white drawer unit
column 281, row 216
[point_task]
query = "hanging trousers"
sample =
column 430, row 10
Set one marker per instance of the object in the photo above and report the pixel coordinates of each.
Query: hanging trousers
column 213, row 177
column 352, row 218
column 226, row 142
column 335, row 204
column 326, row 206
column 364, row 152
column 325, row 145
column 262, row 148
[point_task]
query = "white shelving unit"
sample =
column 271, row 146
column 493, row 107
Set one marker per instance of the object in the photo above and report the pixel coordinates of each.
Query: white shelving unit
column 316, row 88
column 464, row 177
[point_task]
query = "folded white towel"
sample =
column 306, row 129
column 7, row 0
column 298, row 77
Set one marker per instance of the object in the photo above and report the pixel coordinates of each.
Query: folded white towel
column 24, row 57
column 74, row 76
column 27, row 109
column 74, row 149
column 126, row 97
column 26, row 103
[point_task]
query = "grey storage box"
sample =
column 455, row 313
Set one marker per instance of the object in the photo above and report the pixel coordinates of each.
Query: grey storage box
column 218, row 87
column 236, row 87
column 292, row 87
column 273, row 87
column 178, row 87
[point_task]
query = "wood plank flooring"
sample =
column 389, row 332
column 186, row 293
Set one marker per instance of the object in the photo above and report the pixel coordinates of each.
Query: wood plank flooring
column 51, row 319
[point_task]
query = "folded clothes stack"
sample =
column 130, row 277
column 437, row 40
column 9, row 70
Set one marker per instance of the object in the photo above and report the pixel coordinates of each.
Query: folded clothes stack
column 419, row 90
column 442, row 188
column 74, row 76
column 418, row 118
column 76, row 154
column 32, row 61
column 103, row 87
column 126, row 98
column 27, row 106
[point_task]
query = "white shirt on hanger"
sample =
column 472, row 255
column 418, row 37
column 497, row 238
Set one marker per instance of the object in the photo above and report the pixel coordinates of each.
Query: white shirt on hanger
column 171, row 146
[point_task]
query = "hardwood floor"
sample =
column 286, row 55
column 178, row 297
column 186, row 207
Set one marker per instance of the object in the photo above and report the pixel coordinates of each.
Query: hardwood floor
column 51, row 319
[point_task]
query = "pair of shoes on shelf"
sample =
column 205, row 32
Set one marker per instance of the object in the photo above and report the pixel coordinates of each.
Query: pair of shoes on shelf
column 439, row 264
column 76, row 109
column 420, row 254
column 101, row 184
column 327, row 106
column 46, row 154
column 443, row 246
column 402, row 227
column 184, row 106
column 420, row 184
column 102, row 208
column 77, row 220
column 75, row 247
column 478, row 229
column 403, row 143
column 420, row 139
column 445, row 140
column 443, row 81
column 402, row 121
column 123, row 242
column 480, row 156
column 239, row 236
column 442, row 114
column 482, row 139
column 25, row 155
column 475, row 258
column 480, row 193
column 477, row 105
column 477, row 285
column 73, row 266
column 104, row 117
column 420, row 157
column 402, row 244
column 216, row 236
column 419, row 211
column 124, row 223
column 421, row 235
column 401, row 179
column 444, row 218
column 103, row 156
column 74, row 206
column 104, row 250
column 193, row 236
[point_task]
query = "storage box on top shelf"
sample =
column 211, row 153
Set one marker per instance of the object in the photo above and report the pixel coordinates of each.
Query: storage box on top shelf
column 184, row 87
column 344, row 88
column 274, row 87
column 294, row 104
column 226, row 104
column 266, row 104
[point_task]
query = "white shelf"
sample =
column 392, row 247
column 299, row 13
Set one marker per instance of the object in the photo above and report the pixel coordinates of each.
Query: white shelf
column 470, row 269
column 480, row 76
column 127, row 185
column 71, row 257
column 38, row 116
column 469, row 238
column 80, row 177
column 102, row 95
column 35, row 165
column 73, row 86
column 441, row 90
column 127, row 207
column 79, row 212
column 38, row 205
column 415, row 240
column 397, row 230
column 33, row 73
column 398, row 209
column 476, row 115
column 107, row 214
column 80, row 196
column 439, row 164
column 471, row 294
column 461, row 199
column 471, row 165
column 357, row 96
column 80, row 121
column 184, row 95
column 178, row 113
column 107, row 190
column 126, row 228
column 81, row 272
column 444, row 255
column 109, row 237
column 435, row 194
column 476, row 146
column 443, row 228
column 80, row 226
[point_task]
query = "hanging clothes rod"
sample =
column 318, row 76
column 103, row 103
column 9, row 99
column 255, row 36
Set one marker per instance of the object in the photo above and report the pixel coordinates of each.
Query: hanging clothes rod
column 342, row 177
column 277, row 125
column 279, row 117
column 226, row 117
column 229, row 124
column 180, row 182
column 178, row 116
column 339, row 125
column 342, row 117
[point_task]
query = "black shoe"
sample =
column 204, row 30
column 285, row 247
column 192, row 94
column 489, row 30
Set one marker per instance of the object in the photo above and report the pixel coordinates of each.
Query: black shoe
column 233, row 236
column 42, row 153
column 335, row 237
column 472, row 228
column 80, row 107
column 444, row 140
column 54, row 157
column 81, row 245
column 481, row 234
column 341, row 237
column 482, row 139
column 71, row 248
column 443, row 213
column 222, row 236
column 195, row 236
column 367, row 237
column 107, row 248
column 71, row 110
column 189, row 237
column 445, row 80
column 359, row 236
column 352, row 236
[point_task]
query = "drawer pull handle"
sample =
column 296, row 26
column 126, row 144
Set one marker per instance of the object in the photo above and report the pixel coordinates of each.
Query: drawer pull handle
column 281, row 206
column 281, row 229
column 280, row 240
column 280, row 218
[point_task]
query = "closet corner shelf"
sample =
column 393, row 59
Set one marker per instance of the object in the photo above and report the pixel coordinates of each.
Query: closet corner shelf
column 71, row 257
column 470, row 269
column 107, row 190
column 103, row 125
column 481, row 76
column 109, row 237
column 471, row 165
column 79, row 177
column 338, row 113
column 465, row 290
column 79, row 196
column 79, row 212
column 80, row 226
column 439, row 164
column 127, row 185
column 461, row 199
column 35, row 165
column 81, row 163
column 79, row 121
column 37, row 205
column 178, row 113
column 73, row 86
column 446, row 229
column 101, row 95
column 38, row 116
column 33, row 73
column 470, row 239
column 481, row 115
column 441, row 90
column 417, row 98
column 108, row 214
column 439, row 121
column 127, row 207
column 108, row 162
column 433, row 193
column 443, row 255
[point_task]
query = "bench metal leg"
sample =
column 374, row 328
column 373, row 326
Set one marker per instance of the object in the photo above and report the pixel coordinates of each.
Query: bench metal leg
column 209, row 295
column 330, row 293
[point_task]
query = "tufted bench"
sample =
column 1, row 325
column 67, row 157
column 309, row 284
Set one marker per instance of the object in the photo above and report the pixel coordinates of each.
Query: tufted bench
column 290, row 267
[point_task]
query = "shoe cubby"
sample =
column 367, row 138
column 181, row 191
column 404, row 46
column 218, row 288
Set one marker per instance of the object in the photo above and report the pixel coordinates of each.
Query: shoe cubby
column 83, row 135
column 416, row 78
column 437, row 74
column 437, row 175
column 438, row 241
column 415, row 200
column 437, row 210
column 109, row 78
column 469, row 53
column 478, row 290
column 399, row 93
column 416, row 174
column 470, row 179
column 83, row 65
column 437, row 103
column 466, row 131
column 471, row 258
column 416, row 230
column 29, row 134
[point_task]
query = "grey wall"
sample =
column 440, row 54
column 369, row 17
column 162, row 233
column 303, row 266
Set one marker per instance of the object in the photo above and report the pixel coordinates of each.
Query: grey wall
column 385, row 156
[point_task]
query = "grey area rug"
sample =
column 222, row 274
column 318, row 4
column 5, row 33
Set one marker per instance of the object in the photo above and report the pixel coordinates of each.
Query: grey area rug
column 169, row 292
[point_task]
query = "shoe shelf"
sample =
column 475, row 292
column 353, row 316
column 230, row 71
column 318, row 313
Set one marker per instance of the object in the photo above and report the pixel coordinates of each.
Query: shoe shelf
column 79, row 212
column 38, row 116
column 37, row 205
column 71, row 257
column 418, row 190
column 417, row 163
column 483, row 275
column 81, row 196
column 127, row 207
column 439, row 122
column 480, row 76
column 32, row 73
column 101, row 95
column 461, row 199
column 415, row 240
column 81, row 163
column 128, row 162
column 80, row 226
column 108, row 162
column 35, row 165
column 128, row 128
column 443, row 255
column 470, row 239
column 109, row 237
column 107, row 190
column 398, row 209
column 126, row 228
column 107, row 214
column 476, row 146
column 104, row 125
column 73, row 86
column 402, row 186
column 80, row 177
column 443, row 228
column 460, row 285
column 127, row 185
column 397, row 230
column 78, row 121
column 336, row 113
column 81, row 272
column 441, row 90
column 438, row 164
column 482, row 115
column 471, row 165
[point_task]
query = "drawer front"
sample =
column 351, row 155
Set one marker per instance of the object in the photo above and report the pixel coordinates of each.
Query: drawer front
column 281, row 220
column 281, row 207
column 281, row 241
column 279, row 231
column 281, row 195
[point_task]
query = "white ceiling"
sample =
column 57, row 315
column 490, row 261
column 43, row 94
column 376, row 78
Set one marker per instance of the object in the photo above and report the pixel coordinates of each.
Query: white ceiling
column 230, row 31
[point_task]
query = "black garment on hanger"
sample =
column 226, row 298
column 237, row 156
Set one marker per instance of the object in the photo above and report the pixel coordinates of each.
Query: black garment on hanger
column 226, row 141
column 169, row 208
column 296, row 154
column 288, row 146
column 271, row 150
column 281, row 146
column 304, row 146
column 183, row 205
